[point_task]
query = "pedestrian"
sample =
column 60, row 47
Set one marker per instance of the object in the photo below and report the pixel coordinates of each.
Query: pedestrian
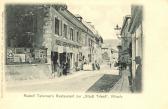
column 124, row 65
column 98, row 66
column 59, row 70
column 93, row 66
column 67, row 67
column 110, row 64
column 76, row 66
column 64, row 65
column 82, row 64
column 138, row 75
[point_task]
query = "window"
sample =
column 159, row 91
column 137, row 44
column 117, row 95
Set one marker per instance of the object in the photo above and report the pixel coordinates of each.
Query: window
column 71, row 34
column 77, row 36
column 57, row 26
column 65, row 31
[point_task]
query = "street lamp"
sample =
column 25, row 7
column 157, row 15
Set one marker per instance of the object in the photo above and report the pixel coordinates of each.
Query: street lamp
column 118, row 34
column 117, row 28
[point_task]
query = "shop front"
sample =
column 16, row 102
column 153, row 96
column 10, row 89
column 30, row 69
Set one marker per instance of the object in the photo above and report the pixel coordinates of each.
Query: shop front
column 62, row 56
column 24, row 55
column 26, row 63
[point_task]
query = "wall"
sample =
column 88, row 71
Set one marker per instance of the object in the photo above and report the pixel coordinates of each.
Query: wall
column 137, row 48
column 26, row 72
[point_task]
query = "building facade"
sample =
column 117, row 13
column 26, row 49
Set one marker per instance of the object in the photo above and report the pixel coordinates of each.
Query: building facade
column 95, row 44
column 125, row 40
column 136, row 30
column 109, row 55
column 47, row 34
column 131, row 49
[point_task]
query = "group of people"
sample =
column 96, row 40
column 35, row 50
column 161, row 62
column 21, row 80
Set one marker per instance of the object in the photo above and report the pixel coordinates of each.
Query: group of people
column 121, row 65
column 60, row 69
column 95, row 66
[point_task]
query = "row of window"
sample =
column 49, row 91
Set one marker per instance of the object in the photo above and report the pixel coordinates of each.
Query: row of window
column 64, row 32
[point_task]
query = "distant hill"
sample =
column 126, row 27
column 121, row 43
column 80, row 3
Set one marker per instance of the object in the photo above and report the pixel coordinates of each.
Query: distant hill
column 112, row 43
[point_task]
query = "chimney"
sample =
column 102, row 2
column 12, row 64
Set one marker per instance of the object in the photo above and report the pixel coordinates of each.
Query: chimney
column 60, row 7
column 90, row 23
column 78, row 17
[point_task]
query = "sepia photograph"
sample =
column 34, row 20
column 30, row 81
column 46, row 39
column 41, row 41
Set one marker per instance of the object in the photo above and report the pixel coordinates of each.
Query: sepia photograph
column 62, row 48
column 83, row 54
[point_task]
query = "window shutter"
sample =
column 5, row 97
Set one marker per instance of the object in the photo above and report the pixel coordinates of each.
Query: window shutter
column 60, row 27
column 68, row 32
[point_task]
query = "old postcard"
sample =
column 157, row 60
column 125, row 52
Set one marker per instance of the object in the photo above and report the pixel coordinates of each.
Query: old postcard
column 68, row 52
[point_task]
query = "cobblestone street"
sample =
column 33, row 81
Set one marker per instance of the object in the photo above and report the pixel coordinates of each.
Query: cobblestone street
column 82, row 81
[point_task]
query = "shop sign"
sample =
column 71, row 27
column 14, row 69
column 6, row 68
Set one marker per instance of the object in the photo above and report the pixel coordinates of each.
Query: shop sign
column 10, row 53
column 64, row 49
column 60, row 49
column 19, row 58
column 68, row 50
column 20, row 50
column 28, row 50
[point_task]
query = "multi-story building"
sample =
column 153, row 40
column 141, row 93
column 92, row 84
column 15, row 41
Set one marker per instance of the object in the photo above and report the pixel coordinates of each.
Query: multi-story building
column 136, row 30
column 131, row 49
column 109, row 55
column 47, row 34
column 95, row 44
column 125, row 40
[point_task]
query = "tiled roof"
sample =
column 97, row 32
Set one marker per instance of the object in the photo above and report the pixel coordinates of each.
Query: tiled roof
column 68, row 15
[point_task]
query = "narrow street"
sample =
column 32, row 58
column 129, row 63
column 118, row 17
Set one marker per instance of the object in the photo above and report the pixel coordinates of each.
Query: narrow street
column 81, row 81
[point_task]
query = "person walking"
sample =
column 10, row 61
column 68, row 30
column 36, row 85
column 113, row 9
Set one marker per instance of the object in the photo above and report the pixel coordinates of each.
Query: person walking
column 59, row 70
column 64, row 65
column 93, row 66
column 138, row 75
column 97, row 65
column 110, row 65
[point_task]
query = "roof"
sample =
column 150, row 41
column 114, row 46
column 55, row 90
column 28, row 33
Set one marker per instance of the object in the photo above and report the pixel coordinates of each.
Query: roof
column 86, row 27
column 88, row 24
column 77, row 15
column 124, row 22
column 72, row 18
column 137, row 17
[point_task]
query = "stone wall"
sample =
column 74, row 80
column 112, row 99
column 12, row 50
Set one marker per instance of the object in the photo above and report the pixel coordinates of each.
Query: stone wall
column 26, row 72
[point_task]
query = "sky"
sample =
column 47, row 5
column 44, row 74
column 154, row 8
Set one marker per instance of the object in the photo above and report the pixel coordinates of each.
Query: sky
column 103, row 16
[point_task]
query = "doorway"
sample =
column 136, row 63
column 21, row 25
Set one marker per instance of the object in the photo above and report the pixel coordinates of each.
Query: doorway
column 54, row 60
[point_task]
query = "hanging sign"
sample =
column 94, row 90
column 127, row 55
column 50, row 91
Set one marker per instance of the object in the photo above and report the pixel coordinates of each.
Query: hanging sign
column 60, row 49
column 68, row 50
column 64, row 49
